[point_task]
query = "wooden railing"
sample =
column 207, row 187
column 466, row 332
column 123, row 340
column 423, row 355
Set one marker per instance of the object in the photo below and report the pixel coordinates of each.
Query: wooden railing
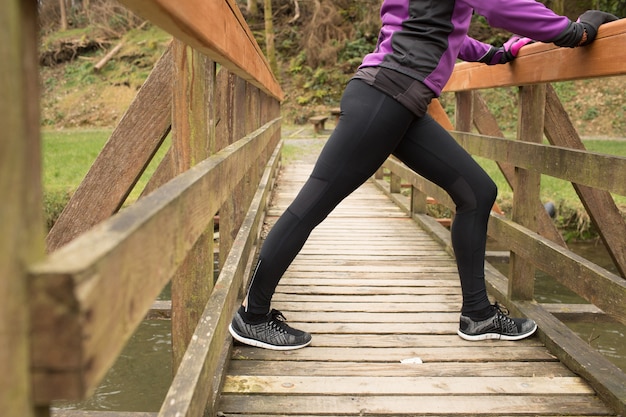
column 214, row 95
column 531, row 236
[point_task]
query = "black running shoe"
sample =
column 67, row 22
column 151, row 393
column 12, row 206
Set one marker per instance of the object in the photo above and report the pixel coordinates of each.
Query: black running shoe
column 500, row 326
column 273, row 333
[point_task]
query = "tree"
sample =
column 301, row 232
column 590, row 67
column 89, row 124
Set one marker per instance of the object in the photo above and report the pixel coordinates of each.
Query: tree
column 63, row 14
column 270, row 50
column 252, row 8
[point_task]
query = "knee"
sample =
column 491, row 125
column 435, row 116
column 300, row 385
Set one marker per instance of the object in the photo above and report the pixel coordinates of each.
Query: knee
column 489, row 192
column 480, row 195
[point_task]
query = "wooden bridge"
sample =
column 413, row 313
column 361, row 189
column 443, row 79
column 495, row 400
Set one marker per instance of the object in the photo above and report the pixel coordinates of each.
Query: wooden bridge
column 375, row 284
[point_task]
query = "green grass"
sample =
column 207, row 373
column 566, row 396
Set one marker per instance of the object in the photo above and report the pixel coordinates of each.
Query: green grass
column 67, row 157
column 571, row 215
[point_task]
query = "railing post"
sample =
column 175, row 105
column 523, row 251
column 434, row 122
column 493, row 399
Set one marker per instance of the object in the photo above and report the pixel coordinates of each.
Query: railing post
column 395, row 183
column 464, row 111
column 21, row 216
column 527, row 187
column 193, row 140
column 231, row 127
column 418, row 201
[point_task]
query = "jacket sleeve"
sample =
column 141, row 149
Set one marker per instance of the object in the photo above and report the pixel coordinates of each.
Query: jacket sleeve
column 473, row 50
column 531, row 19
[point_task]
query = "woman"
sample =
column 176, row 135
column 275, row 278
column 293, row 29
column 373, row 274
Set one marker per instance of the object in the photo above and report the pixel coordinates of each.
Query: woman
column 383, row 112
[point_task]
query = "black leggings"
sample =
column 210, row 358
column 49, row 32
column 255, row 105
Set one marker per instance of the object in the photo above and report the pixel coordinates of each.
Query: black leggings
column 371, row 127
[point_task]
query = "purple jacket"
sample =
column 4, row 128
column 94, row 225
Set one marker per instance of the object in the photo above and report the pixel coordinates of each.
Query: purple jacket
column 424, row 38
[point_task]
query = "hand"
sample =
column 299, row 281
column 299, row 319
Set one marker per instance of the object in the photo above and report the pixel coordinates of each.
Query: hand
column 507, row 52
column 512, row 47
column 592, row 20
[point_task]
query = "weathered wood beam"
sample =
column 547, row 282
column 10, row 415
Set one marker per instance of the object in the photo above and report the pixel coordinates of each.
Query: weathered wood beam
column 598, row 286
column 217, row 29
column 123, row 159
column 85, row 297
column 605, row 172
column 542, row 63
column 196, row 386
column 21, row 214
column 606, row 378
column 600, row 205
column 527, row 186
column 87, row 413
column 486, row 124
column 193, row 140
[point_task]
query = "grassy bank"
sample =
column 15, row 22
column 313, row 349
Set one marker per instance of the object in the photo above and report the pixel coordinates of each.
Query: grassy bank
column 67, row 156
column 571, row 216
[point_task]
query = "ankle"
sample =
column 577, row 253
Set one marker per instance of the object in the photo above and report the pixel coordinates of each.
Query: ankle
column 251, row 318
column 482, row 314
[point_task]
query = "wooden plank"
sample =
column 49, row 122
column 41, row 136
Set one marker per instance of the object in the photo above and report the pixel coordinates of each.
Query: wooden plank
column 353, row 298
column 408, row 341
column 605, row 57
column 437, row 112
column 233, row 210
column 407, row 385
column 196, row 385
column 527, row 189
column 393, row 282
column 21, row 222
column 464, row 111
column 595, row 284
column 441, row 369
column 88, row 275
column 486, row 124
column 367, row 314
column 442, row 303
column 312, row 289
column 85, row 413
column 377, row 328
column 420, row 183
column 605, row 172
column 577, row 354
column 123, row 159
column 496, row 353
column 363, row 317
column 193, row 140
column 218, row 30
column 606, row 378
column 404, row 405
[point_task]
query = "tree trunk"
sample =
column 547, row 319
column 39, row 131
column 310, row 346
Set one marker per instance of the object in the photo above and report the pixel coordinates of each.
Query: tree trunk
column 269, row 37
column 253, row 9
column 63, row 15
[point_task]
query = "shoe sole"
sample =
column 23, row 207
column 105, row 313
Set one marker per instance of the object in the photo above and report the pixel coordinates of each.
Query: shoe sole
column 258, row 343
column 496, row 336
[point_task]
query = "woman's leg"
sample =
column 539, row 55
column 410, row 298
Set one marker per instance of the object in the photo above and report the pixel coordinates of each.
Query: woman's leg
column 429, row 150
column 370, row 127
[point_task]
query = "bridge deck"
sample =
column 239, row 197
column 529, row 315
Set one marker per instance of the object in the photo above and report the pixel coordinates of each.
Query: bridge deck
column 381, row 299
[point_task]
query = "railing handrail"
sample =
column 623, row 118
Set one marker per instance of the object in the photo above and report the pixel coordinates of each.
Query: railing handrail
column 217, row 29
column 89, row 295
column 545, row 63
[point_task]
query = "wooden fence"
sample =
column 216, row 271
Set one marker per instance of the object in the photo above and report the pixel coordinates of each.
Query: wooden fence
column 530, row 234
column 67, row 311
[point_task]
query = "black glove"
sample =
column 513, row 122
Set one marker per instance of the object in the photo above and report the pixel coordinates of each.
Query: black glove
column 507, row 52
column 592, row 19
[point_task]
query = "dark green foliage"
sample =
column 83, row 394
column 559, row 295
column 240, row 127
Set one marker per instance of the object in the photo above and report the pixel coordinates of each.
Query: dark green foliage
column 53, row 204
